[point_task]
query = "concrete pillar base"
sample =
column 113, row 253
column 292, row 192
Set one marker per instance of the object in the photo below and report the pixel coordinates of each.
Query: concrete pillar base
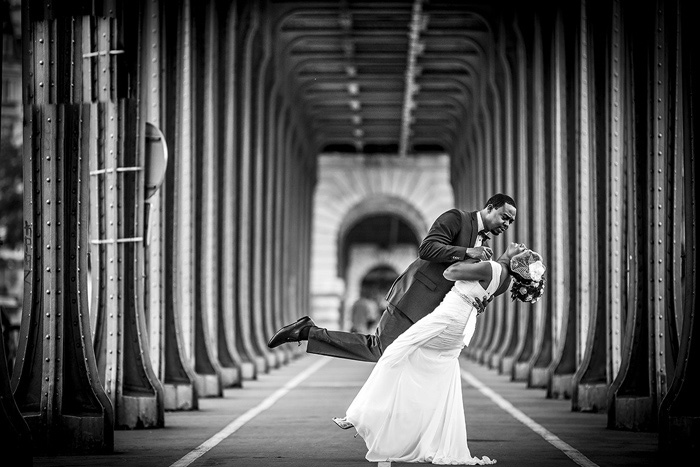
column 230, row 377
column 248, row 371
column 539, row 378
column 561, row 386
column 521, row 371
column 592, row 398
column 179, row 397
column 208, row 385
column 139, row 412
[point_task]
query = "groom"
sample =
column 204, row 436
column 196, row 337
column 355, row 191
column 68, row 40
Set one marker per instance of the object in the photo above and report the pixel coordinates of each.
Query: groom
column 455, row 235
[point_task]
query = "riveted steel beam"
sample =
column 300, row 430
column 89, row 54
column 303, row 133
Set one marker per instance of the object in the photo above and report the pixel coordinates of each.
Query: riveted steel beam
column 213, row 348
column 568, row 320
column 176, row 372
column 632, row 398
column 117, row 232
column 247, row 320
column 516, row 312
column 678, row 412
column 414, row 49
column 261, row 313
column 55, row 379
column 56, row 372
column 503, row 101
column 539, row 373
column 592, row 379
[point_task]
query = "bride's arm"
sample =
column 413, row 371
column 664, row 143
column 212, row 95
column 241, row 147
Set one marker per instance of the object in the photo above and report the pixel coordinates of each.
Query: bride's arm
column 468, row 271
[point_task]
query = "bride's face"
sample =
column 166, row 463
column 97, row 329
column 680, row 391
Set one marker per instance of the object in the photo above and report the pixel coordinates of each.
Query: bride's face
column 514, row 249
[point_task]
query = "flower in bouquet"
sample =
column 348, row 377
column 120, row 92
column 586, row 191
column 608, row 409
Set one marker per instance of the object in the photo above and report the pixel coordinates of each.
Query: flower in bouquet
column 528, row 272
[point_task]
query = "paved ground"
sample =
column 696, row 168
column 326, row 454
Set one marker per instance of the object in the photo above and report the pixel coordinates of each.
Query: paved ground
column 284, row 419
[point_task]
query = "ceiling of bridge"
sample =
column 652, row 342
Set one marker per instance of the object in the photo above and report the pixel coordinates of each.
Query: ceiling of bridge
column 389, row 77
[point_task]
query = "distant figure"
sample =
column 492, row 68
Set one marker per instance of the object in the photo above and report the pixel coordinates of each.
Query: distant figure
column 364, row 314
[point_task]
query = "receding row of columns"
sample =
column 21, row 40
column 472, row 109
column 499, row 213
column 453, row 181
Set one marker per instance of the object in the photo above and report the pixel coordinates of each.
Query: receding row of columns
column 143, row 298
column 590, row 124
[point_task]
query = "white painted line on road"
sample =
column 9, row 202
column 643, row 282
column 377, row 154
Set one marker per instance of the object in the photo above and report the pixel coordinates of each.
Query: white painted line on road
column 232, row 427
column 339, row 384
column 548, row 436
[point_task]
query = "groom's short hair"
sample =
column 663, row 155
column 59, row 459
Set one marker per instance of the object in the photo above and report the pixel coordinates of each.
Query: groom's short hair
column 499, row 199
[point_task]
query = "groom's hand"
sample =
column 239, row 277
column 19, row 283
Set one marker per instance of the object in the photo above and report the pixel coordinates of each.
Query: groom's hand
column 483, row 253
column 480, row 305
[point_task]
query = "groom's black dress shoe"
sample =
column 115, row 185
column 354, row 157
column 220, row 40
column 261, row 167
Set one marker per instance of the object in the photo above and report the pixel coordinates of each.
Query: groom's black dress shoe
column 291, row 332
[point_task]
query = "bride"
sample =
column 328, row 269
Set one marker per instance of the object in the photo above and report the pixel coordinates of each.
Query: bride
column 410, row 408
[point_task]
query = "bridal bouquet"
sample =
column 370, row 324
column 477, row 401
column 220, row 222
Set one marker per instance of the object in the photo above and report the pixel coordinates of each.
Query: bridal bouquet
column 528, row 271
column 527, row 292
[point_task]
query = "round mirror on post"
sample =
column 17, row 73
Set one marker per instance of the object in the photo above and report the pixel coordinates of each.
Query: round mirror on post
column 156, row 159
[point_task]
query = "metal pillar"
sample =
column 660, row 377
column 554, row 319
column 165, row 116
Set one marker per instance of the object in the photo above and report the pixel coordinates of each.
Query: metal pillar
column 176, row 372
column 679, row 412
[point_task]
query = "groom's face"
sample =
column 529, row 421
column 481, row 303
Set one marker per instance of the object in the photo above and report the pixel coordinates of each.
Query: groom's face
column 498, row 220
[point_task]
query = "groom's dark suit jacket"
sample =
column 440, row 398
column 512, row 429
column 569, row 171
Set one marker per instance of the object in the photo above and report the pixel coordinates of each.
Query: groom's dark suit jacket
column 414, row 294
column 421, row 287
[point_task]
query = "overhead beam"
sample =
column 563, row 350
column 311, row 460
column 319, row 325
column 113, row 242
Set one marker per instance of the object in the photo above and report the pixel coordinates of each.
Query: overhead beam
column 413, row 51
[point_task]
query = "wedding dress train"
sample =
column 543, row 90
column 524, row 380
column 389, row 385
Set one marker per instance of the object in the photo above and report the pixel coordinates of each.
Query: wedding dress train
column 410, row 408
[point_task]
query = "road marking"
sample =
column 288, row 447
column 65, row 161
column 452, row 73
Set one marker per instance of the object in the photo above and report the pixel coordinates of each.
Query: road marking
column 232, row 427
column 548, row 436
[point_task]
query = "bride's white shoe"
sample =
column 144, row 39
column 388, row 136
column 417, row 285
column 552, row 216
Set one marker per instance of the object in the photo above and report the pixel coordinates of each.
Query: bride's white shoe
column 342, row 423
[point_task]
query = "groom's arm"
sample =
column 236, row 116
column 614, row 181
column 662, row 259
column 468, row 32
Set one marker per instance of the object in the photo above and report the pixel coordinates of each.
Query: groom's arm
column 438, row 245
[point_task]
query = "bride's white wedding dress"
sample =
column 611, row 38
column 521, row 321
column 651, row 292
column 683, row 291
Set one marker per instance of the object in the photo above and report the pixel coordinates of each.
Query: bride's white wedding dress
column 410, row 408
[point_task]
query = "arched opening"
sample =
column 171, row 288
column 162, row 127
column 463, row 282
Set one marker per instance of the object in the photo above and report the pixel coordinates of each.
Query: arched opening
column 383, row 230
column 371, row 253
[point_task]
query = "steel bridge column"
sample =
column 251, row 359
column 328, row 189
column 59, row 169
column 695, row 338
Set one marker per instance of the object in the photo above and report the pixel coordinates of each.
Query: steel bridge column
column 504, row 154
column 190, row 172
column 576, row 167
column 658, row 323
column 267, row 101
column 229, row 318
column 680, row 411
column 117, row 238
column 176, row 372
column 516, row 311
column 485, row 176
column 594, row 375
column 555, row 71
column 55, row 379
column 273, row 210
column 537, row 238
column 247, row 310
column 213, row 363
column 273, row 214
column 280, row 212
column 223, row 104
column 263, row 330
column 485, row 330
column 533, row 168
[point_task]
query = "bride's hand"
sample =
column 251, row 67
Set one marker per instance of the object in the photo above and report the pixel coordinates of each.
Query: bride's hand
column 480, row 305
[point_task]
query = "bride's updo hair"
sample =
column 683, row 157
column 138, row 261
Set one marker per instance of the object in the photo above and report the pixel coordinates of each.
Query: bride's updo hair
column 528, row 271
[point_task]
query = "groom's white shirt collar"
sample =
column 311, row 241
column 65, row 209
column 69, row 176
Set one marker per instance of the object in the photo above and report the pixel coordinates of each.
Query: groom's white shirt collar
column 479, row 222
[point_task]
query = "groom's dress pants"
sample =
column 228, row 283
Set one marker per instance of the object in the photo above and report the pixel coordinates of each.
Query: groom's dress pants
column 355, row 346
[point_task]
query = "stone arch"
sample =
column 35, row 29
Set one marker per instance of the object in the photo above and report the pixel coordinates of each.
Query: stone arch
column 350, row 188
column 381, row 204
